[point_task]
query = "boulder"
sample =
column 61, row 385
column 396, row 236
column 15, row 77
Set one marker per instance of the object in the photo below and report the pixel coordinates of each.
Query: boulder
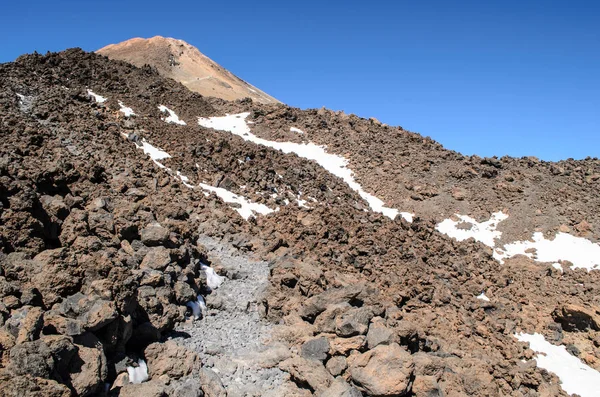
column 577, row 318
column 56, row 274
column 157, row 258
column 90, row 311
column 25, row 323
column 325, row 322
column 89, row 369
column 426, row 386
column 383, row 371
column 154, row 234
column 317, row 304
column 170, row 359
column 26, row 385
column 344, row 346
column 379, row 334
column 55, row 323
column 336, row 365
column 153, row 388
column 353, row 322
column 311, row 372
column 316, row 349
column 186, row 388
column 32, row 358
column 341, row 388
column 211, row 383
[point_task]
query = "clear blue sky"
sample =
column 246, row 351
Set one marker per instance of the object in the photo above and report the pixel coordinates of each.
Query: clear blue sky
column 481, row 77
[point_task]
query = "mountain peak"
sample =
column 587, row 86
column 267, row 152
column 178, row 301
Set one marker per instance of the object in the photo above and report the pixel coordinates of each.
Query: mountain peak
column 183, row 62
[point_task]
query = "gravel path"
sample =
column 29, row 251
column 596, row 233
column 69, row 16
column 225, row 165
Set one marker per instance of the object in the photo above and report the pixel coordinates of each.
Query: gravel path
column 232, row 338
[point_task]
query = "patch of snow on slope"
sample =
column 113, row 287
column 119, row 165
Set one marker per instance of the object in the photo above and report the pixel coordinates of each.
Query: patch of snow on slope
column 172, row 118
column 484, row 232
column 296, row 130
column 127, row 111
column 154, row 153
column 185, row 180
column 337, row 165
column 213, row 280
column 97, row 98
column 247, row 208
column 575, row 376
column 581, row 252
column 198, row 307
column 138, row 374
column 483, row 297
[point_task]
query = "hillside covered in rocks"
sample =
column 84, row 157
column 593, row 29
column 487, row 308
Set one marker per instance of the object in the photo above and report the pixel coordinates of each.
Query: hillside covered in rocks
column 155, row 242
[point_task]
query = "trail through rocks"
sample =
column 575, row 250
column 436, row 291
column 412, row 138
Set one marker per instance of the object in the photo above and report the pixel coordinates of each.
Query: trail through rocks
column 232, row 338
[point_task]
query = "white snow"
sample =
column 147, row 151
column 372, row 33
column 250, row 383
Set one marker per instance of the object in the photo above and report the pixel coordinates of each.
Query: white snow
column 154, row 153
column 172, row 118
column 247, row 208
column 302, row 203
column 213, row 280
column 138, row 374
column 296, row 130
column 97, row 98
column 185, row 180
column 484, row 232
column 337, row 165
column 575, row 376
column 581, row 252
column 198, row 307
column 483, row 297
column 127, row 111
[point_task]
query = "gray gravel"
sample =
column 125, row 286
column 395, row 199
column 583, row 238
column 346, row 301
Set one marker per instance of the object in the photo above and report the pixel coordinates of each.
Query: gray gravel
column 232, row 338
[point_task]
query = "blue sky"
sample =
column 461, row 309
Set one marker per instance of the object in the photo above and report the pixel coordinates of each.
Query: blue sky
column 481, row 77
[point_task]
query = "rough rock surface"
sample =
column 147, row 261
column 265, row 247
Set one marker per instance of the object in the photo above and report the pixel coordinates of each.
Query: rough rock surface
column 101, row 250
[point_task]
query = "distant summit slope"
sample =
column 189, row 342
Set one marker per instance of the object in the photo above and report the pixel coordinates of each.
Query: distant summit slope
column 185, row 63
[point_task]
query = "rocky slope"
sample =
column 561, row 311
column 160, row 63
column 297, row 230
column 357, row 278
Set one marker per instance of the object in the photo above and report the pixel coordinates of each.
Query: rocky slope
column 116, row 197
column 183, row 62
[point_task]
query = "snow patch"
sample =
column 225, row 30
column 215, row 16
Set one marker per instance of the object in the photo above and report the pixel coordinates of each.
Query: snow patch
column 172, row 118
column 198, row 307
column 138, row 374
column 484, row 232
column 483, row 297
column 302, row 203
column 246, row 209
column 581, row 252
column 154, row 153
column 127, row 111
column 296, row 130
column 185, row 180
column 575, row 376
column 97, row 98
column 213, row 280
column 336, row 165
